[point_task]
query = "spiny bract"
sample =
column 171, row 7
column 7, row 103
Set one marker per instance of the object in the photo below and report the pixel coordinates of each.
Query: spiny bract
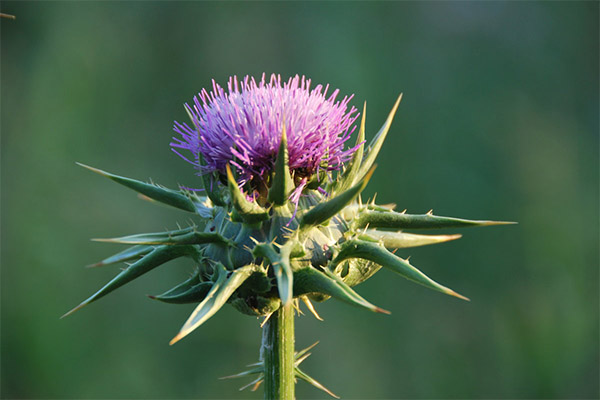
column 281, row 220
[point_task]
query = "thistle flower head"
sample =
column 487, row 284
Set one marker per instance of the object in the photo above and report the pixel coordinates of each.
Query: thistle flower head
column 258, row 253
column 242, row 126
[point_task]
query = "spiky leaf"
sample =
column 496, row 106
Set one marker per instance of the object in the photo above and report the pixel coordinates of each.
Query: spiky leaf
column 125, row 255
column 376, row 143
column 170, row 238
column 280, row 261
column 157, row 257
column 350, row 174
column 226, row 283
column 194, row 294
column 282, row 181
column 327, row 209
column 182, row 287
column 158, row 193
column 396, row 220
column 247, row 210
column 311, row 280
column 399, row 240
column 380, row 255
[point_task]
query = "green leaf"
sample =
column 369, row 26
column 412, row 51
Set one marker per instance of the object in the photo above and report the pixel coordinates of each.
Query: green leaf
column 194, row 294
column 280, row 261
column 226, row 284
column 396, row 220
column 349, row 176
column 158, row 193
column 311, row 280
column 399, row 240
column 126, row 255
column 376, row 143
column 282, row 181
column 203, row 207
column 157, row 257
column 380, row 255
column 325, row 210
column 183, row 286
column 171, row 238
column 249, row 211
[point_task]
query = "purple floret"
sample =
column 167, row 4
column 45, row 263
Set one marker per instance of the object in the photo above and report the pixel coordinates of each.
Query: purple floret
column 242, row 126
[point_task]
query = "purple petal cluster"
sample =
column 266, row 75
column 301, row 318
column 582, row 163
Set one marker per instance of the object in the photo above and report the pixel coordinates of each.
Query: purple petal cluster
column 243, row 124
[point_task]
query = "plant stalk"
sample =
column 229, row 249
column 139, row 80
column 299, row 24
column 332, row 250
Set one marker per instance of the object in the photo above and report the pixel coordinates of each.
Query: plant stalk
column 277, row 351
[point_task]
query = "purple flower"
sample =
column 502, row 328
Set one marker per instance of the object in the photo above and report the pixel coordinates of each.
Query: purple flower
column 242, row 126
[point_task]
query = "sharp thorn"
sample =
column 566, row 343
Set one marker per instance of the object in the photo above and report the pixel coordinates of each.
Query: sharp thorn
column 266, row 319
column 256, row 385
column 381, row 310
column 453, row 293
column 312, row 310
column 74, row 309
column 176, row 339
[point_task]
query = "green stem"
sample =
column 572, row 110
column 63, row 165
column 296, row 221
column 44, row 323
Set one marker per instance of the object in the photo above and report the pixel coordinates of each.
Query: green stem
column 277, row 351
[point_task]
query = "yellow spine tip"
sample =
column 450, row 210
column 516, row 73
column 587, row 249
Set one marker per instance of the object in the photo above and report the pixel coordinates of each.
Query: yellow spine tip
column 382, row 311
column 98, row 264
column 454, row 294
column 489, row 223
column 452, row 237
column 176, row 339
column 73, row 310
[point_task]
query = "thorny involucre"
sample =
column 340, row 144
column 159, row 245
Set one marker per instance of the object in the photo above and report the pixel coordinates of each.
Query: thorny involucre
column 281, row 219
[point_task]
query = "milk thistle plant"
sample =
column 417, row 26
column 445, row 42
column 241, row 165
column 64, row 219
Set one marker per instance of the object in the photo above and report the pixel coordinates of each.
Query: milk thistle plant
column 280, row 220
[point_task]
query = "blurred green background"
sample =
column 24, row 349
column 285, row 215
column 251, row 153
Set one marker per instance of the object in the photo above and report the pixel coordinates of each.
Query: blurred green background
column 499, row 120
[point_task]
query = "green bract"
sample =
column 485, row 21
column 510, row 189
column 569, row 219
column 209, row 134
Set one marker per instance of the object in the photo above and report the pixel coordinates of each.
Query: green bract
column 259, row 254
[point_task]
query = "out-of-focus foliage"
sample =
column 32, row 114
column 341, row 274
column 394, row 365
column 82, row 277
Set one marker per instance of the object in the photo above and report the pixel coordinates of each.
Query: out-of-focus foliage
column 499, row 120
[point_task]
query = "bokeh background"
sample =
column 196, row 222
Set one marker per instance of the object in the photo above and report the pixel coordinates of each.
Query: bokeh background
column 499, row 120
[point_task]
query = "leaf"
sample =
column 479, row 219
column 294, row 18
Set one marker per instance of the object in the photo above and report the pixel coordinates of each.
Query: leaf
column 310, row 280
column 226, row 284
column 282, row 181
column 249, row 211
column 396, row 220
column 164, row 195
column 349, row 176
column 157, row 257
column 280, row 261
column 126, row 255
column 170, row 238
column 399, row 240
column 377, row 142
column 183, row 286
column 202, row 205
column 325, row 210
column 194, row 294
column 378, row 254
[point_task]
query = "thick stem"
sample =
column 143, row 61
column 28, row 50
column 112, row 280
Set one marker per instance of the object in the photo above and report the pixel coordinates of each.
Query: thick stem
column 277, row 352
